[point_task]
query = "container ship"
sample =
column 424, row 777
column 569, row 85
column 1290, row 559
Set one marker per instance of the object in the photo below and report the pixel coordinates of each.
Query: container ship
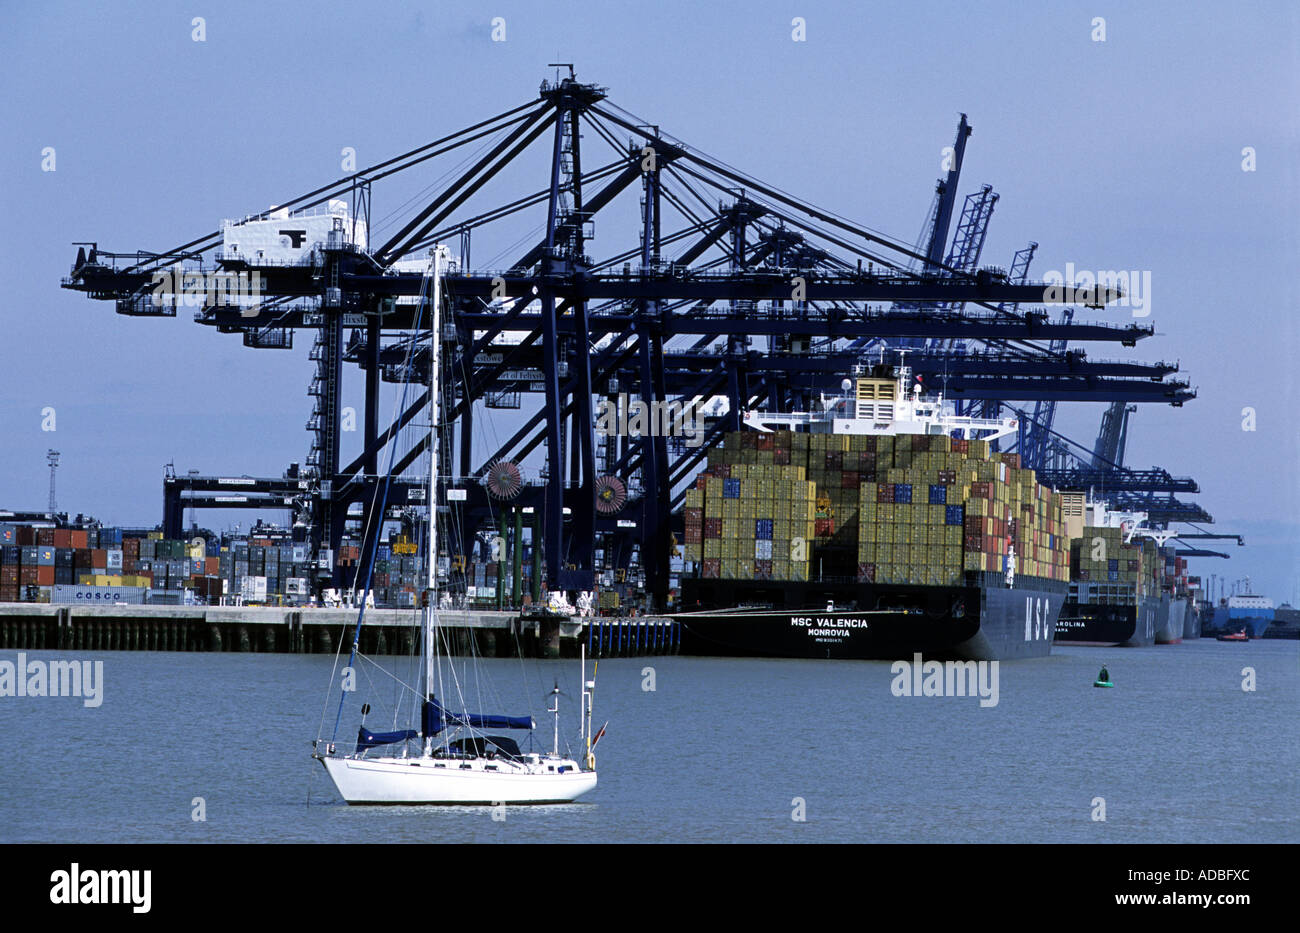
column 1245, row 612
column 1175, row 587
column 1116, row 572
column 867, row 530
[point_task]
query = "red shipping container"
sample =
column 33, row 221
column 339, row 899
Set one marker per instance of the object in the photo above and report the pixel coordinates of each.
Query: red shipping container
column 763, row 442
column 921, row 442
column 885, row 492
column 693, row 516
column 62, row 537
column 824, row 527
column 79, row 539
column 712, row 568
column 713, row 528
column 82, row 558
column 866, row 573
column 981, row 490
column 212, row 566
column 45, row 538
column 1011, row 460
column 694, row 534
column 99, row 557
column 27, row 574
column 781, row 456
column 849, row 479
column 763, row 569
column 835, row 460
column 960, row 445
column 9, row 575
column 45, row 575
column 974, row 543
column 131, row 547
column 26, row 536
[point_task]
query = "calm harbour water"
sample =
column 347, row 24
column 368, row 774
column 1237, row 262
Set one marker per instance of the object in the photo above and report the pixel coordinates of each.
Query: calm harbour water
column 716, row 752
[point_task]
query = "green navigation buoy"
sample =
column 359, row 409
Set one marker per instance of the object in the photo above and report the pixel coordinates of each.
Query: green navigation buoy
column 1103, row 679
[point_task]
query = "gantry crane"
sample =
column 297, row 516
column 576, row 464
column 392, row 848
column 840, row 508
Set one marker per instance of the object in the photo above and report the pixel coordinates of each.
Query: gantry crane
column 728, row 289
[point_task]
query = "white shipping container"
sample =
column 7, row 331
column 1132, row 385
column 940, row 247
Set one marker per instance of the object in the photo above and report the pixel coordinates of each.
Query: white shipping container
column 253, row 589
column 97, row 595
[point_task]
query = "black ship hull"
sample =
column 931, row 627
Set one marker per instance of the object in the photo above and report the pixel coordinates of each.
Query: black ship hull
column 886, row 622
column 1107, row 624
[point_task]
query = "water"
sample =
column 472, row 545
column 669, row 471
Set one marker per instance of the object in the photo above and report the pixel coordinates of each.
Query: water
column 717, row 752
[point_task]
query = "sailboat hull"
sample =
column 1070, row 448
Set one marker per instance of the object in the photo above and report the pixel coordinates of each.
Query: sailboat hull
column 412, row 781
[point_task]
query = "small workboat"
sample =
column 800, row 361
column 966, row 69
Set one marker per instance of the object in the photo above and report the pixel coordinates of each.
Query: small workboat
column 1233, row 636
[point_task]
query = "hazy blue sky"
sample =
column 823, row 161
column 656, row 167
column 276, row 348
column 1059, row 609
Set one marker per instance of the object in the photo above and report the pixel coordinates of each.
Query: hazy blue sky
column 1122, row 154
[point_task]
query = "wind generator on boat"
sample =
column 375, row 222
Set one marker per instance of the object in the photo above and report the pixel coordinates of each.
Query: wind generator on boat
column 455, row 760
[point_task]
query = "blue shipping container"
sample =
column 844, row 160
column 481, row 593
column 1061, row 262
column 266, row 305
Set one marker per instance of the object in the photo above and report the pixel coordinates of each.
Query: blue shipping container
column 763, row 529
column 953, row 515
column 902, row 492
column 938, row 495
column 731, row 489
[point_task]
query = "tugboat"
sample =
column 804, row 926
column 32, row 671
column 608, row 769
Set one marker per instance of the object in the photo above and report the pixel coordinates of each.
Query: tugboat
column 1239, row 635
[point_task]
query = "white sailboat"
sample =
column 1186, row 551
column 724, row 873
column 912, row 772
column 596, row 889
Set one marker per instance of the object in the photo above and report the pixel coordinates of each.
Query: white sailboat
column 455, row 759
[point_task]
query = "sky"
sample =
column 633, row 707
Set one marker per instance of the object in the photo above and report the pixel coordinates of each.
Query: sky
column 1127, row 153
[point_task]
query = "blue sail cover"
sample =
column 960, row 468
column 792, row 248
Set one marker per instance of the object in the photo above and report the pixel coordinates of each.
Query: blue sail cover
column 435, row 719
column 367, row 739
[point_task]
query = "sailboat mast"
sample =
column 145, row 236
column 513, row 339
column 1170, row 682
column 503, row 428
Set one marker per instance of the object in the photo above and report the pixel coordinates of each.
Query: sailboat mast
column 435, row 358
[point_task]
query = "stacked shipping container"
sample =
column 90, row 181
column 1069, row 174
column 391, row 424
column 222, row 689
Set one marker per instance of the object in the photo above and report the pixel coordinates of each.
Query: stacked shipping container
column 918, row 509
column 752, row 513
column 1104, row 569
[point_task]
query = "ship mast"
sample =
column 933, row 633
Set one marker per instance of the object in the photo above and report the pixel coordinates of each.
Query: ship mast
column 435, row 359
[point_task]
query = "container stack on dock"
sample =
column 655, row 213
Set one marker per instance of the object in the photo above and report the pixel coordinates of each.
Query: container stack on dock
column 393, row 577
column 106, row 565
column 912, row 509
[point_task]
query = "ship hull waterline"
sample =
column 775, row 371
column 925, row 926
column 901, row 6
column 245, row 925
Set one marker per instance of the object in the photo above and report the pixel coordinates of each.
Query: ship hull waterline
column 1105, row 625
column 1169, row 628
column 963, row 623
column 392, row 781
